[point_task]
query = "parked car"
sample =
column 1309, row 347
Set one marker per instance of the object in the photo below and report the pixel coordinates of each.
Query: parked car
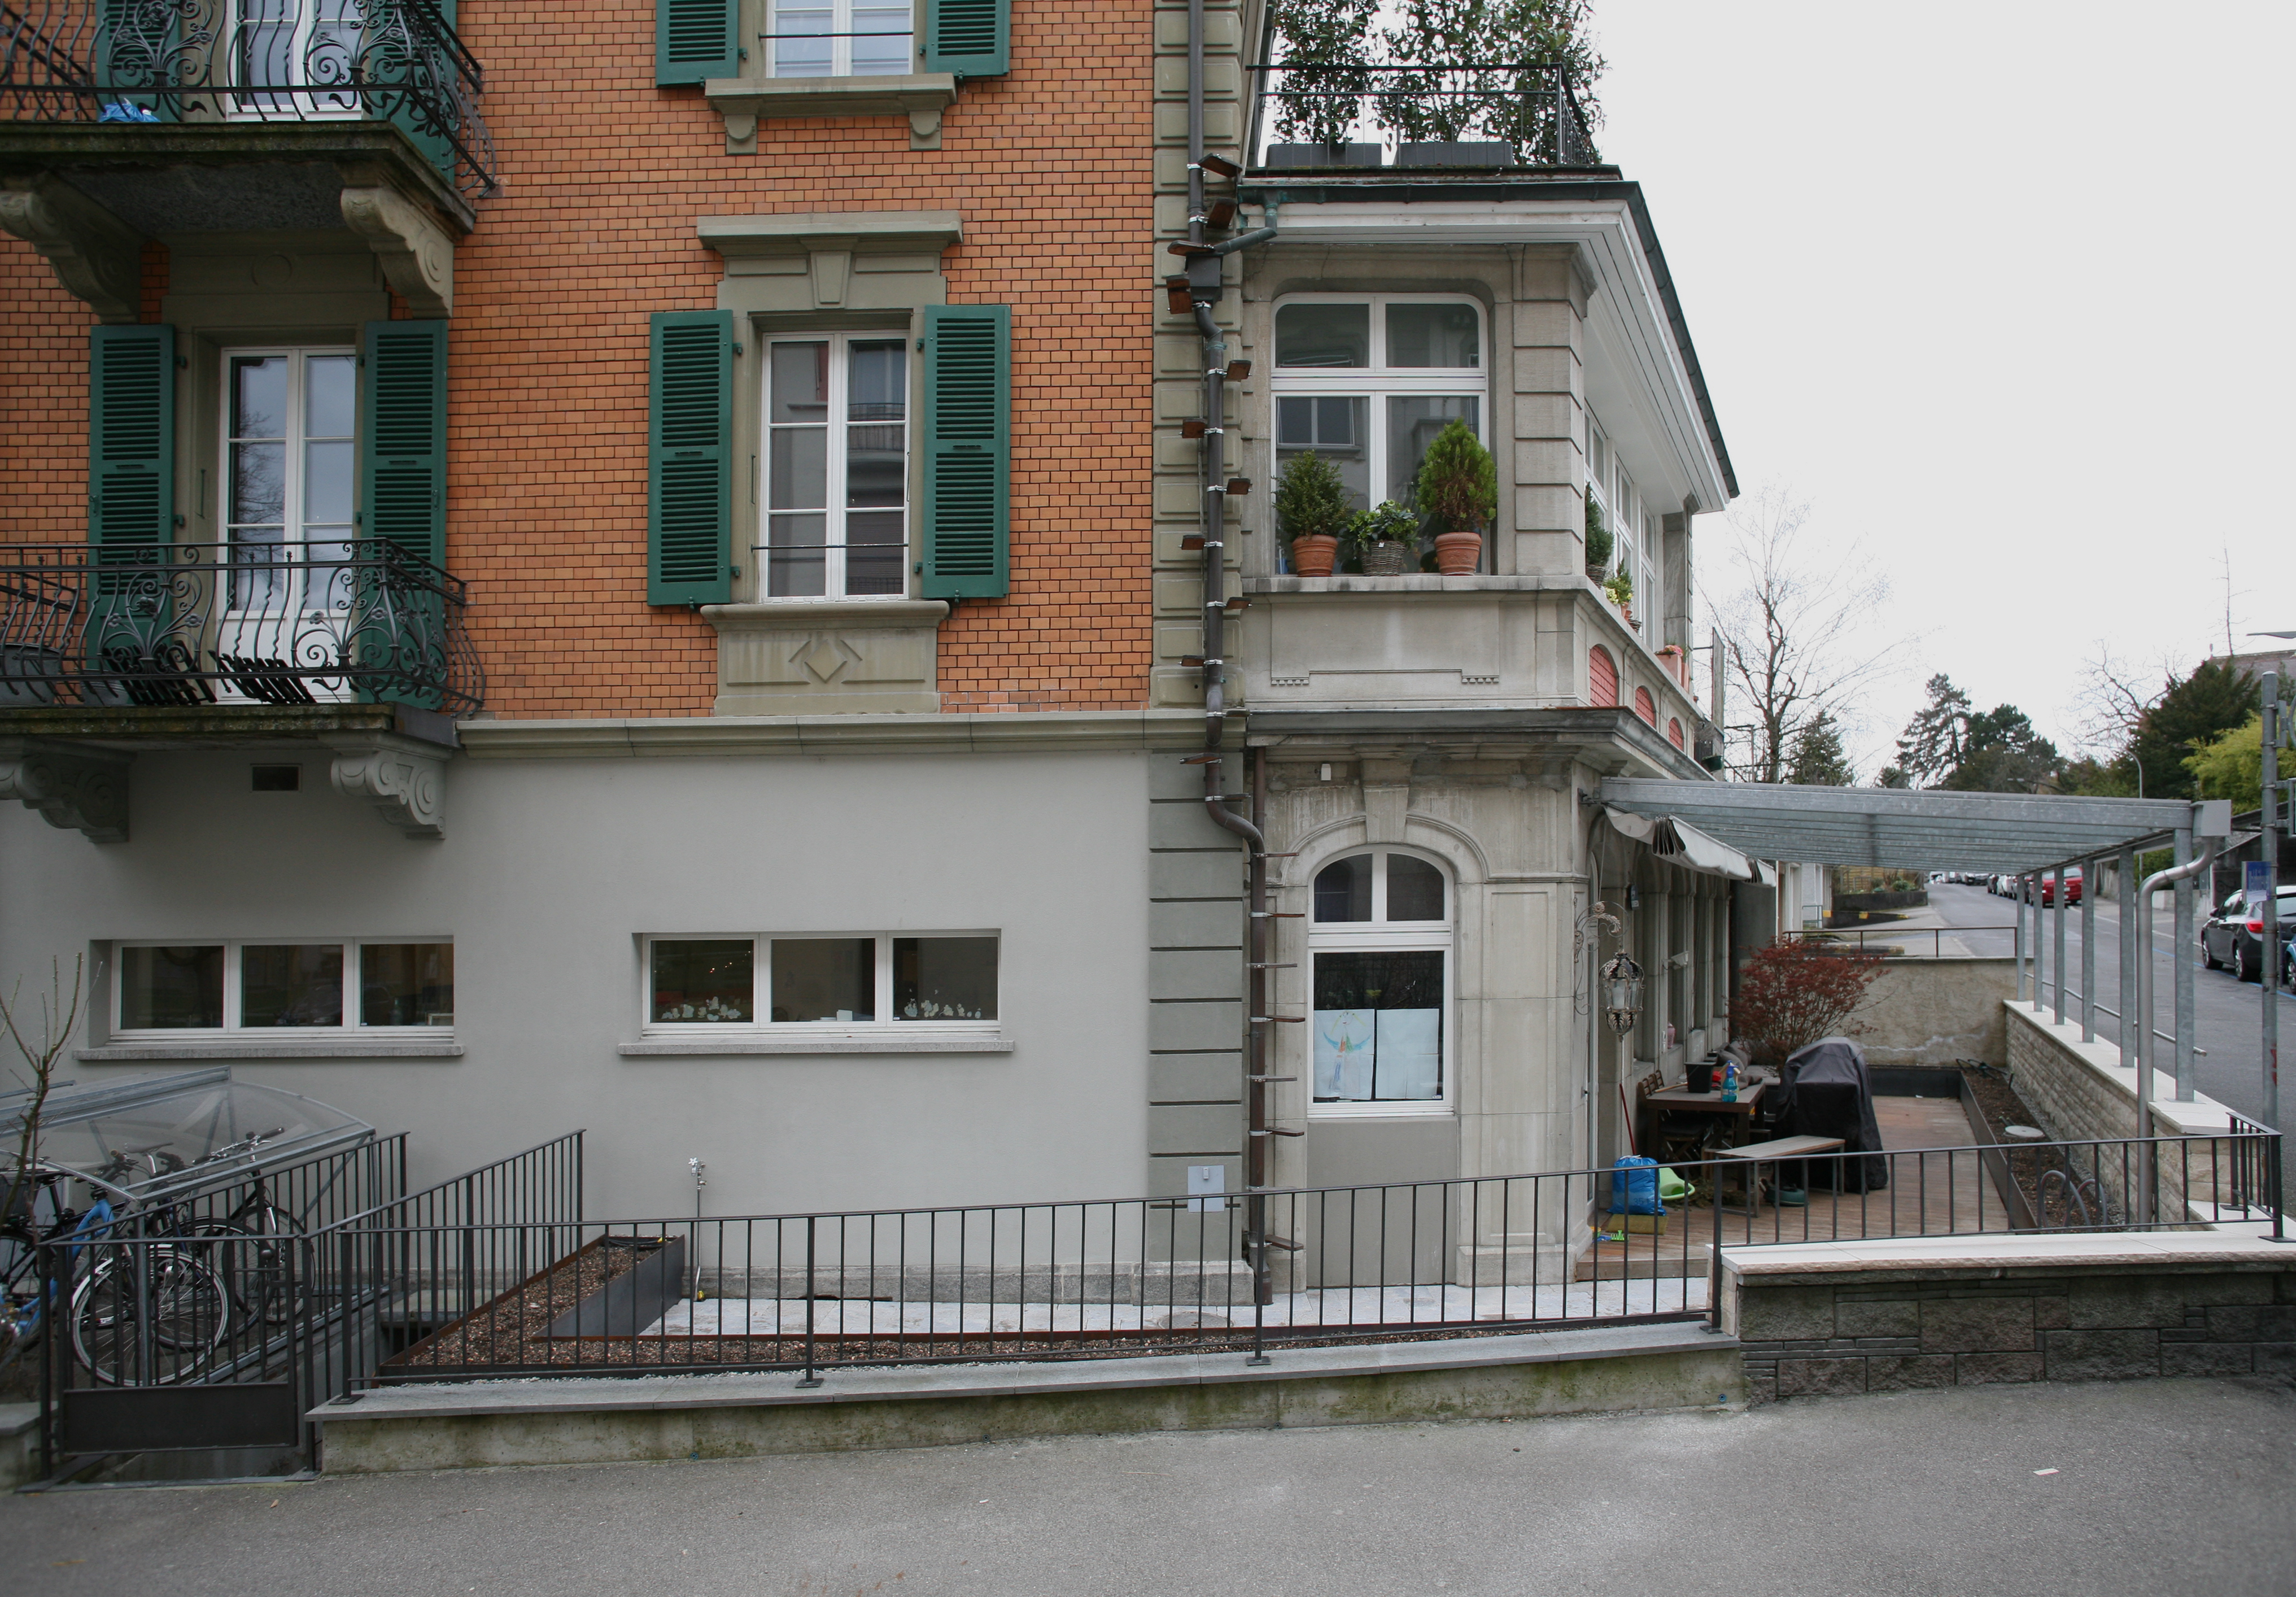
column 2049, row 888
column 2231, row 937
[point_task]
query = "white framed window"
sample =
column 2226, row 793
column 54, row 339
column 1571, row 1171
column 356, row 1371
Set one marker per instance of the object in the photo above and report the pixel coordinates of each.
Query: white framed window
column 285, row 54
column 836, row 461
column 840, row 39
column 839, row 986
column 289, row 476
column 259, row 986
column 1380, row 1019
column 1633, row 525
column 1367, row 381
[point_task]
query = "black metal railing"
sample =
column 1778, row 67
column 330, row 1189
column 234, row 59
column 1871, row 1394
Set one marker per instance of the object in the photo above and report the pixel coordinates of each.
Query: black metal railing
column 211, row 1324
column 1237, row 1272
column 262, row 623
column 1536, row 109
column 184, row 61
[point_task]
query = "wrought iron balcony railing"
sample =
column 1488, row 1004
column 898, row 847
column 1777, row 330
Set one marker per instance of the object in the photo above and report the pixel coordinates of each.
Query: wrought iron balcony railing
column 291, row 60
column 1538, row 110
column 188, row 625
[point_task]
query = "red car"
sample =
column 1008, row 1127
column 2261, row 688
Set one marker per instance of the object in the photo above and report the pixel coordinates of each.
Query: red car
column 2049, row 888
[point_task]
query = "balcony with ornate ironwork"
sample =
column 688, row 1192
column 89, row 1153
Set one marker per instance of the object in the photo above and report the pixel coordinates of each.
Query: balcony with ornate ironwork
column 353, row 647
column 123, row 120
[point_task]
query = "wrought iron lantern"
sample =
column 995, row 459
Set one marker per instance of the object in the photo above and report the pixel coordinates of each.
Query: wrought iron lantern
column 1622, row 992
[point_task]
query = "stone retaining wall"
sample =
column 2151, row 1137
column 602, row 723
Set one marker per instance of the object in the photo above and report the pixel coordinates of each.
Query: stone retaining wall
column 1934, row 1011
column 1879, row 1331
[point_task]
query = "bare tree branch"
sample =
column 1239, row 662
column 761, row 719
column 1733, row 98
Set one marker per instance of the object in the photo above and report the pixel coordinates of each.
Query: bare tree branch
column 59, row 1014
column 1798, row 633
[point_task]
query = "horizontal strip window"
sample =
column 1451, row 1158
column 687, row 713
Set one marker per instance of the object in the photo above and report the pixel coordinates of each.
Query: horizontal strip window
column 816, row 985
column 176, row 990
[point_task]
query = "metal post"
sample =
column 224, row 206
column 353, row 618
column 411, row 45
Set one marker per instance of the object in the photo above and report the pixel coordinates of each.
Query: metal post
column 2017, row 938
column 2181, row 953
column 2057, row 954
column 2269, row 845
column 2125, row 943
column 2030, row 898
column 2088, row 949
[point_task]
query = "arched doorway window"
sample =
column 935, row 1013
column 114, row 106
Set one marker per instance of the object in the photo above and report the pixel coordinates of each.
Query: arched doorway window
column 1380, row 974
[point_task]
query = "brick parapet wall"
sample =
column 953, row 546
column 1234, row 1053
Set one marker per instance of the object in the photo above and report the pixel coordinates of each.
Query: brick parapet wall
column 604, row 176
column 1955, row 1327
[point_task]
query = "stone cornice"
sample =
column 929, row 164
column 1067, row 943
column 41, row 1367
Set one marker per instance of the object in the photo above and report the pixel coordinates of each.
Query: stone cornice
column 1032, row 731
column 796, row 232
column 782, row 615
column 920, row 96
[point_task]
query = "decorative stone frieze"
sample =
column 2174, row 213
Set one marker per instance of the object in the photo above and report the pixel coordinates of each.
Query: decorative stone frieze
column 405, row 780
column 72, row 785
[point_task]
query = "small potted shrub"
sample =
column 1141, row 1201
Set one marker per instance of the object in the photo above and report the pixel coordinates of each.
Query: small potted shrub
column 1620, row 588
column 1458, row 486
column 1598, row 541
column 1386, row 540
column 1311, row 507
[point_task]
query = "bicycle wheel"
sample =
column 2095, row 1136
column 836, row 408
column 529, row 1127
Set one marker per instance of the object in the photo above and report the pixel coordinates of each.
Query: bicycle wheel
column 258, row 1254
column 180, row 1306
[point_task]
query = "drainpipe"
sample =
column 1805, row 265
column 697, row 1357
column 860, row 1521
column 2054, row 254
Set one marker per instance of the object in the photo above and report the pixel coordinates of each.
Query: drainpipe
column 1203, row 288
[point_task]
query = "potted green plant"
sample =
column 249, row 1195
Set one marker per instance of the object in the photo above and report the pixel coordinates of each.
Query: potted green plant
column 1311, row 507
column 1386, row 540
column 1620, row 588
column 1458, row 485
column 1598, row 541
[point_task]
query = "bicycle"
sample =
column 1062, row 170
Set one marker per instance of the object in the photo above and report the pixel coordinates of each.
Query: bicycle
column 154, row 1308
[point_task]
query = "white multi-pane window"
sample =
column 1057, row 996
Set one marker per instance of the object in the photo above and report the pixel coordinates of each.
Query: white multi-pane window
column 1633, row 525
column 290, row 469
column 1380, row 958
column 172, row 988
column 286, row 55
column 840, row 39
column 1367, row 381
column 837, row 466
column 821, row 982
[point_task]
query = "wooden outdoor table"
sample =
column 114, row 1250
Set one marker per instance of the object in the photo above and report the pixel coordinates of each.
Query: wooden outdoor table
column 1676, row 1101
column 1753, row 1156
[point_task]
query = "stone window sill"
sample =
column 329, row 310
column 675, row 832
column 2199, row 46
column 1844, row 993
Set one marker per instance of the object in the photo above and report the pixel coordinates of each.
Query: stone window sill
column 310, row 1048
column 895, row 1041
column 744, row 101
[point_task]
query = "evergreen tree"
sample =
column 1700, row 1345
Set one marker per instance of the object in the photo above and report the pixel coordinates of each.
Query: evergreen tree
column 2214, row 698
column 1818, row 759
column 1938, row 736
column 2003, row 754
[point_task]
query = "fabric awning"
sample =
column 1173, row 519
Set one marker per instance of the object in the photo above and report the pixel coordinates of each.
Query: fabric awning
column 1678, row 842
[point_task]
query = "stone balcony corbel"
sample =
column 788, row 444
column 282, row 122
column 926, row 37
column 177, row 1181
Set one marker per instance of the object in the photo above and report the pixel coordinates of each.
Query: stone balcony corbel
column 403, row 778
column 75, row 786
column 416, row 252
column 743, row 101
column 94, row 254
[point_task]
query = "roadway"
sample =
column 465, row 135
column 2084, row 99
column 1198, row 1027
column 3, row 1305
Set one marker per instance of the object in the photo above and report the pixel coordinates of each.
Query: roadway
column 2228, row 1014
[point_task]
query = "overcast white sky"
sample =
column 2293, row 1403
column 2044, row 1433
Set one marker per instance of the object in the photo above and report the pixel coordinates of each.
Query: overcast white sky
column 2001, row 289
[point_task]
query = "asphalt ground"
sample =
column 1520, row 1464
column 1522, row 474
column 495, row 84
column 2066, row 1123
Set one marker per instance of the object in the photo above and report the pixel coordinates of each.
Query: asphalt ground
column 2228, row 1015
column 2147, row 1487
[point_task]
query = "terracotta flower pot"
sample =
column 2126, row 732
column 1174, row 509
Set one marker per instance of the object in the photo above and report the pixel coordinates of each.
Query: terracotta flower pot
column 1458, row 553
column 1312, row 554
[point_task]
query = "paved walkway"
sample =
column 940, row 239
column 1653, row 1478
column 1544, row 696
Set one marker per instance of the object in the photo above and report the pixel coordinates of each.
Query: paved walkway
column 2101, row 1490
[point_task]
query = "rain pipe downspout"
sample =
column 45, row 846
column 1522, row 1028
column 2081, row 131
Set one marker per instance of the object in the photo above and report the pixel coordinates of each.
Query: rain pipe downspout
column 1203, row 288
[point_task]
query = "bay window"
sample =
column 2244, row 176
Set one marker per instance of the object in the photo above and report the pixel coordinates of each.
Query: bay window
column 1367, row 381
column 1380, row 955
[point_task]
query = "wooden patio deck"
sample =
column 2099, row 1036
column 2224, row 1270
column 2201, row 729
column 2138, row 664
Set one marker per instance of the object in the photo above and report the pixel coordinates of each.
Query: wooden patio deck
column 1928, row 1194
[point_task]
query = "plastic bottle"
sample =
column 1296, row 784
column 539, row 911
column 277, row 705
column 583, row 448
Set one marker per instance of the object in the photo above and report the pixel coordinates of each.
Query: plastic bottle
column 1730, row 1082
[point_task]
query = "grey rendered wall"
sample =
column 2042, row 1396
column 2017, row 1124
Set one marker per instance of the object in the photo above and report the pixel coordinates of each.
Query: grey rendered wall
column 550, row 871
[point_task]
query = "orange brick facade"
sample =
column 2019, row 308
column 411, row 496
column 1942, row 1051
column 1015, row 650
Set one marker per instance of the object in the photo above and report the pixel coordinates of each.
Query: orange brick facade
column 603, row 177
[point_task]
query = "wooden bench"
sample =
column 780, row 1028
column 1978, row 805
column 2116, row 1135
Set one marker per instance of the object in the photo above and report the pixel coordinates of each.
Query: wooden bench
column 1755, row 1155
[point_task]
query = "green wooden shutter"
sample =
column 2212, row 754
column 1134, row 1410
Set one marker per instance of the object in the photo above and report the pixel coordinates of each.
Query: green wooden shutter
column 693, row 40
column 402, row 485
column 131, row 468
column 972, row 39
column 690, row 459
column 968, row 445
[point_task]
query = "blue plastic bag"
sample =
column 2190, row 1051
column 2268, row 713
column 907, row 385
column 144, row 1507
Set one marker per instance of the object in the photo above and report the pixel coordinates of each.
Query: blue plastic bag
column 126, row 111
column 1633, row 1186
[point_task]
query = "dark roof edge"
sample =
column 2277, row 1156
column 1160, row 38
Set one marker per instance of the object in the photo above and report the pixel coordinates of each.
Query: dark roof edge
column 1497, row 188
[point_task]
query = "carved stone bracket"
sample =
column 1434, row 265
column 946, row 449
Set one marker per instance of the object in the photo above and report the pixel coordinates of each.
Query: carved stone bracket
column 416, row 252
column 94, row 254
column 74, row 786
column 405, row 780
